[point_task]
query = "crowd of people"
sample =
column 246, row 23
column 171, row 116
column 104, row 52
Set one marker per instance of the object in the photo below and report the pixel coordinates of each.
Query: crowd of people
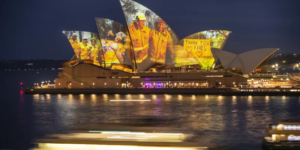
column 149, row 46
column 83, row 50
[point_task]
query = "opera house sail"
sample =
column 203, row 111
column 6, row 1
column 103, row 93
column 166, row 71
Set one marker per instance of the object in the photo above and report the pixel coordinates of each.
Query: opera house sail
column 146, row 52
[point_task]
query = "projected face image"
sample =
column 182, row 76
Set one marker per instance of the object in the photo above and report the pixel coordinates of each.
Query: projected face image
column 151, row 37
column 115, row 42
column 86, row 45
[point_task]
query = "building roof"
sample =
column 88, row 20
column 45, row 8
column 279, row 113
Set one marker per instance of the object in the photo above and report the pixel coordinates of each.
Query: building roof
column 247, row 61
column 226, row 58
column 236, row 63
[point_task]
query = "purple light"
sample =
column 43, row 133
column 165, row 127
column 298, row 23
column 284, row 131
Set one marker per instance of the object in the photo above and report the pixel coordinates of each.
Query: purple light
column 160, row 85
column 147, row 79
column 148, row 85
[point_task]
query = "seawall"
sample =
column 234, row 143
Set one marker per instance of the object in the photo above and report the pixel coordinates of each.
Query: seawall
column 198, row 91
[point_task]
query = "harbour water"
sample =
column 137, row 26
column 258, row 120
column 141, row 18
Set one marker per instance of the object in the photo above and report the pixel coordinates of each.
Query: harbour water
column 232, row 122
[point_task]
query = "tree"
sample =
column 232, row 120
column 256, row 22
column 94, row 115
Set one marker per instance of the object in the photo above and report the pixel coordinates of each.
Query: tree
column 128, row 8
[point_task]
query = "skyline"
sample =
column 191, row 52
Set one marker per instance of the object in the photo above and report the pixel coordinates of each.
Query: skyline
column 37, row 26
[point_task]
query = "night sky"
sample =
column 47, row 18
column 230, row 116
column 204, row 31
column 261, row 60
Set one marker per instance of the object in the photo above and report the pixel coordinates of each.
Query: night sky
column 32, row 29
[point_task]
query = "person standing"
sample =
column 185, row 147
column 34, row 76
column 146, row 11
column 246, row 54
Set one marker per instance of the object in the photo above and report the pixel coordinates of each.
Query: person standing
column 85, row 48
column 140, row 40
column 161, row 44
column 75, row 44
column 94, row 51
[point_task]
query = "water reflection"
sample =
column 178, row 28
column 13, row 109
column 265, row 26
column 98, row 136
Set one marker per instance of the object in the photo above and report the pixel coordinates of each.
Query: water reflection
column 206, row 97
column 284, row 99
column 42, row 97
column 154, row 97
column 105, row 97
column 128, row 96
column 220, row 100
column 21, row 110
column 250, row 100
column 222, row 119
column 93, row 98
column 267, row 99
column 168, row 97
column 70, row 97
column 233, row 100
column 193, row 97
column 81, row 96
column 180, row 97
column 36, row 97
column 48, row 96
column 141, row 96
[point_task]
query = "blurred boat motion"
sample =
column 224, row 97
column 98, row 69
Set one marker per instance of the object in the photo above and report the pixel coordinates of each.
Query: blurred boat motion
column 143, row 132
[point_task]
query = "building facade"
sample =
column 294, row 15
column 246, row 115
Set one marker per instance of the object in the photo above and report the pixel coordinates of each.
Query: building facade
column 91, row 76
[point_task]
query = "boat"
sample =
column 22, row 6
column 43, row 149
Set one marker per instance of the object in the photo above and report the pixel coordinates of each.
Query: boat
column 285, row 135
column 140, row 133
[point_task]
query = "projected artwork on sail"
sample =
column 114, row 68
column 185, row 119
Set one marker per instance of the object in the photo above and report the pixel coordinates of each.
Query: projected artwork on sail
column 116, row 44
column 151, row 36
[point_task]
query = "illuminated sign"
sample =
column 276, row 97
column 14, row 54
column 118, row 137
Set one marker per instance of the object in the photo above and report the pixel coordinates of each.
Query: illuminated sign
column 218, row 37
column 196, row 45
column 291, row 127
column 293, row 138
column 195, row 51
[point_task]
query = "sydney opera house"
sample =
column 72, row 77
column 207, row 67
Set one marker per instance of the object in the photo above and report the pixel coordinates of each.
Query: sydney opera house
column 147, row 53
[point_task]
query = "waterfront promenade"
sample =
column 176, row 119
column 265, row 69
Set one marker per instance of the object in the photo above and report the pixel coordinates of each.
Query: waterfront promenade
column 200, row 91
